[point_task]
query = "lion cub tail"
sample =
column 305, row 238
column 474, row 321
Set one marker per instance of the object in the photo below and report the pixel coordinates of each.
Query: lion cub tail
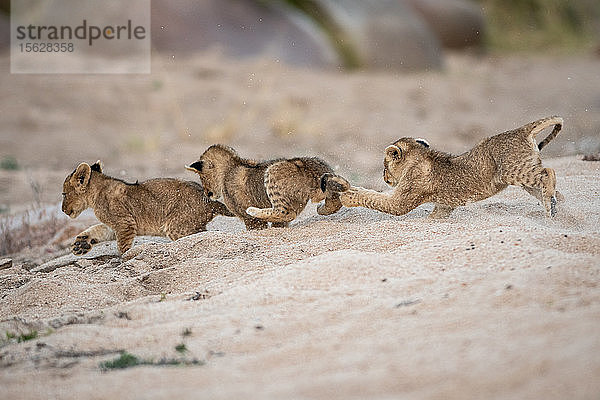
column 539, row 125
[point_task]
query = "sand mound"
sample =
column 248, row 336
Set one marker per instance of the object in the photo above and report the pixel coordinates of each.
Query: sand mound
column 497, row 301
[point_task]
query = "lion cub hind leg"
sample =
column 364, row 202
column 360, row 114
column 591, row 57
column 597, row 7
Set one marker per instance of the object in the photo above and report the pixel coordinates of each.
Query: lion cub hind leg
column 548, row 184
column 537, row 193
column 277, row 214
column 187, row 219
column 90, row 237
column 288, row 192
column 281, row 210
column 540, row 183
column 441, row 211
column 176, row 229
column 255, row 223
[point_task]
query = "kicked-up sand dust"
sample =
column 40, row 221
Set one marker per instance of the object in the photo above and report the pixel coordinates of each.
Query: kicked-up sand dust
column 497, row 301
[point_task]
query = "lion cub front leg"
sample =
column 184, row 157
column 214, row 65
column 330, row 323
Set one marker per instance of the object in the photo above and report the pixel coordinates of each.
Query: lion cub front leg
column 351, row 196
column 402, row 201
column 90, row 237
column 125, row 231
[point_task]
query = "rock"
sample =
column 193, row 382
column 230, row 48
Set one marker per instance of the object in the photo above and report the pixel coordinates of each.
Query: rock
column 59, row 262
column 385, row 34
column 4, row 31
column 456, row 23
column 5, row 263
column 240, row 29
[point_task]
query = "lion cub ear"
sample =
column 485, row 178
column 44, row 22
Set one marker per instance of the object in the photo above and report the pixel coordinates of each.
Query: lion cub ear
column 81, row 176
column 422, row 142
column 393, row 152
column 195, row 167
column 97, row 166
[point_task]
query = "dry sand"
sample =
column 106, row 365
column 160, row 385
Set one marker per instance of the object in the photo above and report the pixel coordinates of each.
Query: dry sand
column 498, row 301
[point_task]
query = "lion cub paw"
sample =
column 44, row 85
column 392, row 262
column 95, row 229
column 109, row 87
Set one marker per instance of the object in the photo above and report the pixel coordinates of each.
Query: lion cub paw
column 329, row 207
column 349, row 198
column 83, row 244
column 553, row 202
column 334, row 183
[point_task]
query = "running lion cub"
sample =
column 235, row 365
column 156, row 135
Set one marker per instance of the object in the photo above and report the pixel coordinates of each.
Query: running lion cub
column 159, row 207
column 273, row 191
column 420, row 174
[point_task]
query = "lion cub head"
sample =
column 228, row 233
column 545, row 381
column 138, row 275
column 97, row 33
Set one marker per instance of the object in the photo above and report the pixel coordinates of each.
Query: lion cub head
column 75, row 189
column 405, row 157
column 211, row 168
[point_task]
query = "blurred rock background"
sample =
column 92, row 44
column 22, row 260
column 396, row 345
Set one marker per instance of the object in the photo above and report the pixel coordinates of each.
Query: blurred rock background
column 334, row 78
column 382, row 34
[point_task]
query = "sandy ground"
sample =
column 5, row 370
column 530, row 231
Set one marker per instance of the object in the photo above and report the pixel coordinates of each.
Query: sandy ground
column 498, row 301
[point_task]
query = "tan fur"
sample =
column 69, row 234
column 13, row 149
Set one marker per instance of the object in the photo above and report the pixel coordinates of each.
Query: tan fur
column 158, row 207
column 273, row 191
column 422, row 175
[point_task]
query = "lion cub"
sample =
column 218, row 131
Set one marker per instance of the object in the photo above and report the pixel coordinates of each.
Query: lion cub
column 420, row 174
column 273, row 191
column 159, row 207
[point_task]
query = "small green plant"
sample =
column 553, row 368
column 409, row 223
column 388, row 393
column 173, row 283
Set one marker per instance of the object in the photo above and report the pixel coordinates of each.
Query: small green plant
column 125, row 360
column 19, row 338
column 128, row 360
column 181, row 348
column 163, row 297
column 27, row 336
column 157, row 84
column 9, row 163
column 538, row 25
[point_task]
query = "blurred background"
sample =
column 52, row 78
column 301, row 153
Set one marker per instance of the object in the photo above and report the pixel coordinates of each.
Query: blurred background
column 339, row 79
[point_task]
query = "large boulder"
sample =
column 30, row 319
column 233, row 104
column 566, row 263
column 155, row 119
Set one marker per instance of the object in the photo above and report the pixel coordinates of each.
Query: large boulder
column 456, row 23
column 239, row 29
column 386, row 34
column 4, row 31
column 383, row 34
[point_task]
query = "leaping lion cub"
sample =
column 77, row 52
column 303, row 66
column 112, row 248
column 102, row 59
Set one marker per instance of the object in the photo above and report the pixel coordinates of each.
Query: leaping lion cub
column 158, row 207
column 420, row 174
column 259, row 192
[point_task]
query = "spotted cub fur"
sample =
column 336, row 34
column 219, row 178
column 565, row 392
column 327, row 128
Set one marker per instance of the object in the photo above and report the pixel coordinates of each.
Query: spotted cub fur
column 260, row 192
column 158, row 207
column 420, row 174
